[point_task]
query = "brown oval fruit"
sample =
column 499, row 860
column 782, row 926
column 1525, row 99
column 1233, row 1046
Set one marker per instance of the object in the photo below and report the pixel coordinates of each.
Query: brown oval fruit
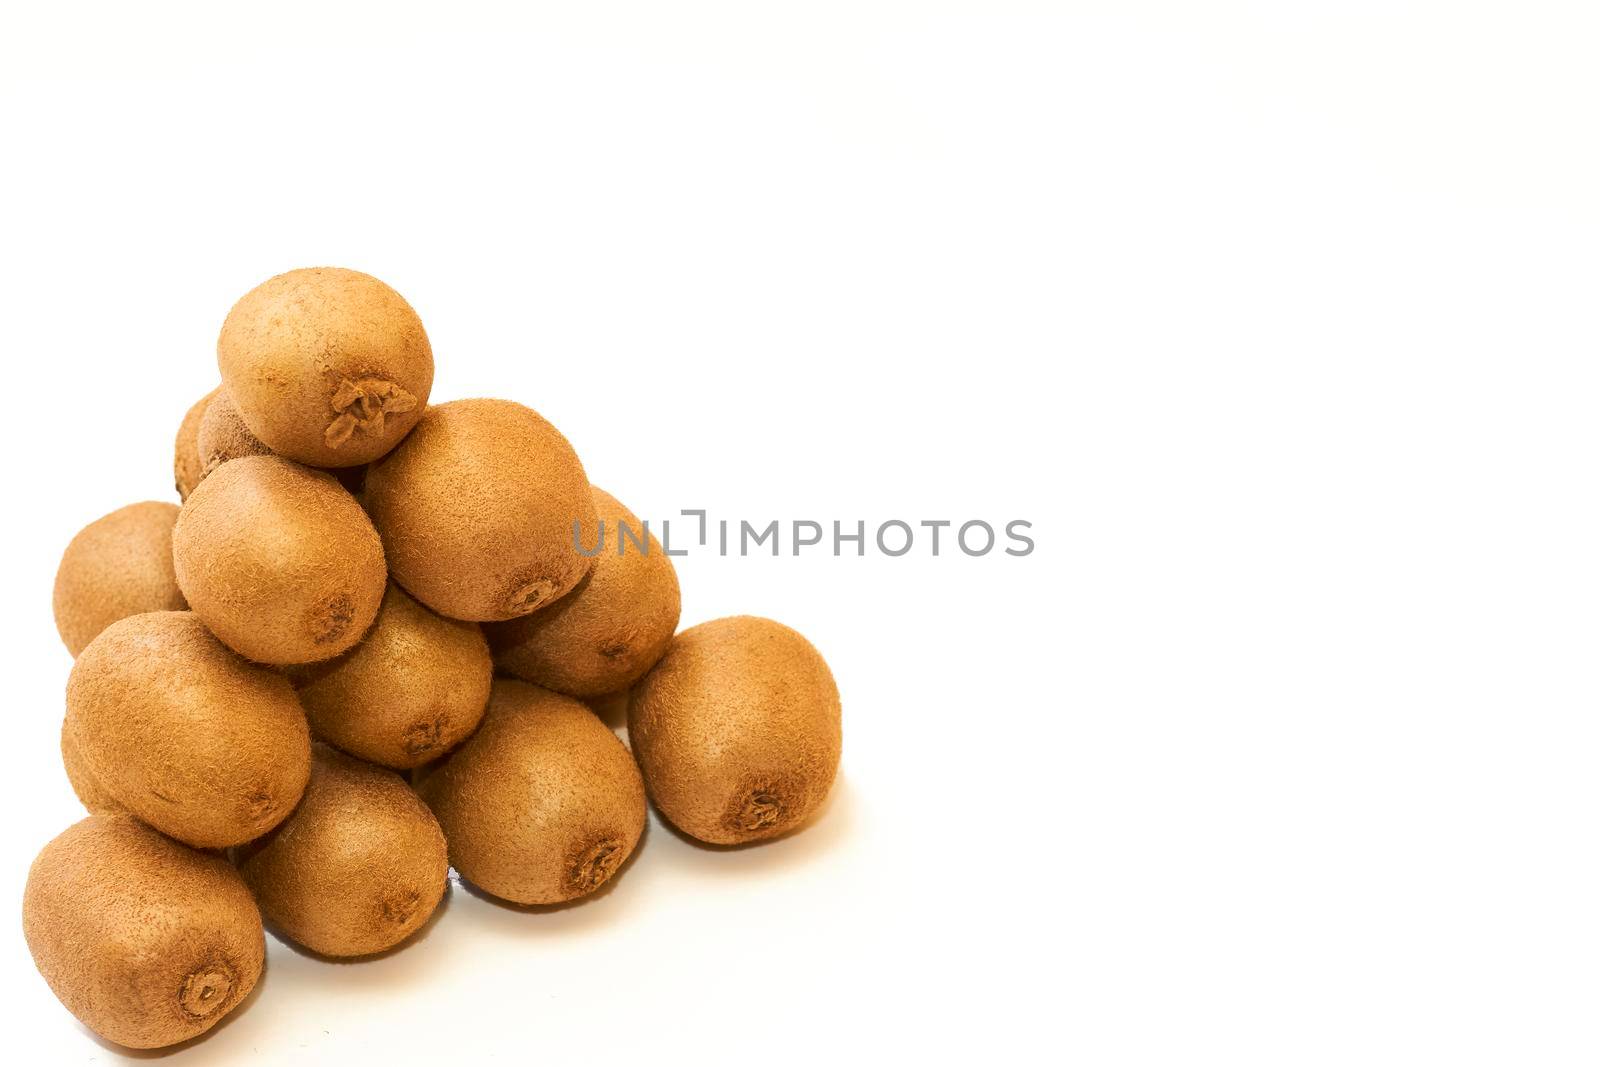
column 224, row 436
column 147, row 942
column 543, row 803
column 476, row 509
column 279, row 561
column 606, row 633
column 408, row 693
column 327, row 366
column 737, row 730
column 357, row 868
column 187, row 467
column 192, row 739
column 90, row 793
column 118, row 565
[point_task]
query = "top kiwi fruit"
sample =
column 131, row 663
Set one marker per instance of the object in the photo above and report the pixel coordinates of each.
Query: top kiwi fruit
column 737, row 730
column 118, row 565
column 147, row 942
column 279, row 561
column 603, row 635
column 477, row 510
column 326, row 366
column 192, row 739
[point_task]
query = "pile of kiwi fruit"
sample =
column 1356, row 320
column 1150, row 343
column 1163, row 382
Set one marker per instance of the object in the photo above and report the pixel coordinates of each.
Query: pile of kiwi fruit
column 365, row 649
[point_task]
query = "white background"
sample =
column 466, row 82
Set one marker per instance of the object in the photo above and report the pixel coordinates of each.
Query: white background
column 1277, row 320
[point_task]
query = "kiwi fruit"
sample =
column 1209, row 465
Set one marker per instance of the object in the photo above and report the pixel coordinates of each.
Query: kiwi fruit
column 327, row 366
column 90, row 793
column 279, row 561
column 476, row 509
column 408, row 693
column 224, row 436
column 357, row 868
column 192, row 739
column 118, row 565
column 737, row 730
column 543, row 803
column 187, row 466
column 147, row 942
column 601, row 637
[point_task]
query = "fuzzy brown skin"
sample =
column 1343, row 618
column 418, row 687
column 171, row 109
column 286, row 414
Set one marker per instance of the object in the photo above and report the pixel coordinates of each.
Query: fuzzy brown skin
column 187, row 466
column 408, row 693
column 90, row 793
column 224, row 436
column 737, row 730
column 476, row 510
column 601, row 637
column 147, row 942
column 327, row 366
column 357, row 868
column 543, row 803
column 192, row 739
column 118, row 565
column 279, row 561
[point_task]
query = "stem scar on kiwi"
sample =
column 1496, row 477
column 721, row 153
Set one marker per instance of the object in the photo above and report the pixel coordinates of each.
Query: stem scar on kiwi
column 223, row 436
column 477, row 507
column 592, row 863
column 737, row 730
column 543, row 804
column 327, row 366
column 358, row 867
column 413, row 689
column 148, row 942
column 601, row 637
column 280, row 562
